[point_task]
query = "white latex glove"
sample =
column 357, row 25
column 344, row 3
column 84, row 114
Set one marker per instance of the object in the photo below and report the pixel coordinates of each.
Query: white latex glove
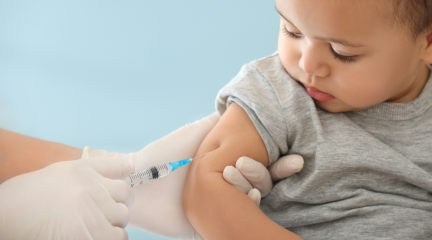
column 67, row 200
column 158, row 204
column 253, row 178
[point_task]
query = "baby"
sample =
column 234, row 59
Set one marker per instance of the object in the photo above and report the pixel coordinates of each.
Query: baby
column 348, row 90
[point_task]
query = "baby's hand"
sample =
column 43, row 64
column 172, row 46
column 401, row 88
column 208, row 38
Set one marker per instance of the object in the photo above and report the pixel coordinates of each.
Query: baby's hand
column 255, row 180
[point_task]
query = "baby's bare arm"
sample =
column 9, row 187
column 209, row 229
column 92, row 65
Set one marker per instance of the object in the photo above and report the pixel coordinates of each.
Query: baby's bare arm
column 215, row 208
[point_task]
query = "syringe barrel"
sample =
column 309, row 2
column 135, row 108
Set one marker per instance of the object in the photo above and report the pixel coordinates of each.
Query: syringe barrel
column 148, row 174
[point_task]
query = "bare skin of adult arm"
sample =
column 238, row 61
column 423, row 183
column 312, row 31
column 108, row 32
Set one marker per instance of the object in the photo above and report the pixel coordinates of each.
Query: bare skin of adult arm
column 214, row 207
column 21, row 154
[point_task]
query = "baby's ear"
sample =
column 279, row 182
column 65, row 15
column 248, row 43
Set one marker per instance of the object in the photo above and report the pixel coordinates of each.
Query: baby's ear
column 427, row 52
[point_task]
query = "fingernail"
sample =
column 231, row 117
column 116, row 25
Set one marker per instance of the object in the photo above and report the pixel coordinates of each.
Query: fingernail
column 297, row 164
column 228, row 170
column 255, row 195
column 245, row 163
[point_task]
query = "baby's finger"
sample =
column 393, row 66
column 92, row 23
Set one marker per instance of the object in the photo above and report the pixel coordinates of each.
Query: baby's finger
column 256, row 173
column 235, row 178
column 255, row 195
column 286, row 166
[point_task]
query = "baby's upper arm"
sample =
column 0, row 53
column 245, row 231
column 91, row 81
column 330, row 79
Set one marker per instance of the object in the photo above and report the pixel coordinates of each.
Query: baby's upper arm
column 216, row 209
column 234, row 136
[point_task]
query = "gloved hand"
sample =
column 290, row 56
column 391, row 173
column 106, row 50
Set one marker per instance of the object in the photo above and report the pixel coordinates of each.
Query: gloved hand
column 253, row 178
column 158, row 204
column 67, row 200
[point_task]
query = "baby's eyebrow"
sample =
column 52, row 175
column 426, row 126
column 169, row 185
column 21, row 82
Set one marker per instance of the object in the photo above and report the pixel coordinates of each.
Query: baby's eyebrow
column 338, row 41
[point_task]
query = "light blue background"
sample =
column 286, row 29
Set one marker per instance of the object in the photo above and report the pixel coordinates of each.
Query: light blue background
column 117, row 75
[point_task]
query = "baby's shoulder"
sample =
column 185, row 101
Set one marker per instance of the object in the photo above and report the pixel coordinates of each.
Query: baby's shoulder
column 268, row 73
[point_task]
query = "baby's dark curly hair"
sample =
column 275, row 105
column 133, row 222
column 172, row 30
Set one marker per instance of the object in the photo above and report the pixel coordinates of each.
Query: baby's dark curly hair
column 415, row 15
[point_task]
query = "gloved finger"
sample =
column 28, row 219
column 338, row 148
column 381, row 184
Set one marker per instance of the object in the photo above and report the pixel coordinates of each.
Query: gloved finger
column 255, row 195
column 117, row 214
column 110, row 168
column 113, row 213
column 119, row 191
column 95, row 213
column 256, row 173
column 235, row 178
column 286, row 166
column 120, row 234
column 113, row 233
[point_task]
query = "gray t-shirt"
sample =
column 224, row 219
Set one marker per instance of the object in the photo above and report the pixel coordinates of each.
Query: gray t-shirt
column 367, row 174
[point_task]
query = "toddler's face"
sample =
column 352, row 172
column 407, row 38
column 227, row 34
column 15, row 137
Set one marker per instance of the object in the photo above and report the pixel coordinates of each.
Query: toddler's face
column 352, row 58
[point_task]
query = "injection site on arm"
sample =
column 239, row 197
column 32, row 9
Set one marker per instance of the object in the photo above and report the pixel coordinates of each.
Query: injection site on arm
column 214, row 207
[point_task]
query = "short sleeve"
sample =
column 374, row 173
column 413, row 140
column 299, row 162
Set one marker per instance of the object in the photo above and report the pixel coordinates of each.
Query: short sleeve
column 252, row 91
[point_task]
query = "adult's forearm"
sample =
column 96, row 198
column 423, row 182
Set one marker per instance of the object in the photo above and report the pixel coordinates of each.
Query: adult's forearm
column 20, row 154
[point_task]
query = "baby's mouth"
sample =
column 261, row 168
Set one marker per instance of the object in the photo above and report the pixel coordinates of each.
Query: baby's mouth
column 317, row 94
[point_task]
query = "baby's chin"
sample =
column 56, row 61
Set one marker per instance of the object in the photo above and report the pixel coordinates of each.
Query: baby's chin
column 335, row 106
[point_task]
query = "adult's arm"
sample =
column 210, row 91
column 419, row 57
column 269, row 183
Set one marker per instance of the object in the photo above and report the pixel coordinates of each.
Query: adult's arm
column 21, row 154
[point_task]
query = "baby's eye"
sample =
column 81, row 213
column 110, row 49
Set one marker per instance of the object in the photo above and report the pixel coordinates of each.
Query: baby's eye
column 343, row 58
column 291, row 34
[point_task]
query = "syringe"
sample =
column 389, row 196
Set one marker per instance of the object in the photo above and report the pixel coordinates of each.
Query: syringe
column 155, row 172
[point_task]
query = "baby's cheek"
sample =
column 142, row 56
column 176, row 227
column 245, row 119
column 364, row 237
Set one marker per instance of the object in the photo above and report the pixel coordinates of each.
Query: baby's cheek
column 290, row 57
